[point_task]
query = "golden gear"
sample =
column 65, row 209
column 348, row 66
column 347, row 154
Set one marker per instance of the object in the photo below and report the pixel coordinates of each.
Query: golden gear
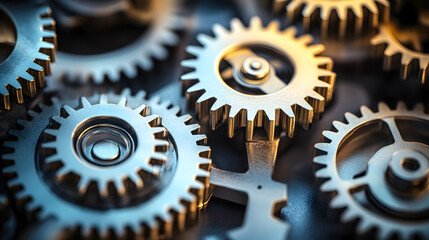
column 374, row 10
column 389, row 43
column 276, row 103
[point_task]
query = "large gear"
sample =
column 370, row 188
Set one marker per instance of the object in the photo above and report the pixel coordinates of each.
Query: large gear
column 372, row 10
column 30, row 42
column 159, row 214
column 106, row 151
column 163, row 20
column 267, row 101
column 389, row 43
column 378, row 167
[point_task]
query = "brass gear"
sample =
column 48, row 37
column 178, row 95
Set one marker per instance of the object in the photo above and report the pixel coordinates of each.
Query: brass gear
column 387, row 43
column 280, row 104
column 375, row 11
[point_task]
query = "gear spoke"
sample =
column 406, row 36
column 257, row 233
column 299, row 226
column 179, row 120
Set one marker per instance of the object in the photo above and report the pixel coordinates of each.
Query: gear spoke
column 393, row 128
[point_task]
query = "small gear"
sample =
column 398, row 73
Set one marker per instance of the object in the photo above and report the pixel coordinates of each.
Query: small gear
column 104, row 149
column 162, row 20
column 29, row 42
column 372, row 10
column 378, row 167
column 233, row 78
column 158, row 214
column 389, row 43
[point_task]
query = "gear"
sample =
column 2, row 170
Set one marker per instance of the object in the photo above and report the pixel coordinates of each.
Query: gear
column 248, row 92
column 158, row 214
column 106, row 151
column 389, row 42
column 378, row 167
column 163, row 20
column 373, row 10
column 29, row 42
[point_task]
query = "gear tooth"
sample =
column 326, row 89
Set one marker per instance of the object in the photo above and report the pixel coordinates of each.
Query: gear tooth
column 329, row 135
column 390, row 51
column 370, row 5
column 290, row 32
column 142, row 110
column 204, row 40
column 378, row 40
column 365, row 111
column 103, row 99
column 158, row 130
column 194, row 50
column 9, row 144
column 49, row 145
column 328, row 186
column 323, row 173
column 363, row 226
column 419, row 108
column 139, row 95
column 189, row 63
column 195, row 88
column 69, row 110
column 219, row 30
column 135, row 178
column 22, row 122
column 123, row 102
column 322, row 160
column 273, row 26
column 322, row 146
column 51, row 159
column 351, row 118
column 35, row 67
column 338, row 201
column 305, row 39
column 159, row 52
column 382, row 107
column 236, row 25
column 204, row 151
column 15, row 132
column 51, row 131
column 348, row 215
column 194, row 127
column 339, row 125
column 57, row 119
column 317, row 49
column 185, row 118
column 386, row 234
column 308, row 10
column 189, row 76
column 401, row 106
column 256, row 22
column 119, row 185
column 201, row 138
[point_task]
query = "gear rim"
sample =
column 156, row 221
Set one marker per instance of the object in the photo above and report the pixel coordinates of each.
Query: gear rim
column 313, row 91
column 175, row 213
column 368, row 219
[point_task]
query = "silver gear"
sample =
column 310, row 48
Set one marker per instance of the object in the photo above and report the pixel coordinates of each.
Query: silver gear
column 33, row 44
column 374, row 11
column 384, row 185
column 304, row 97
column 164, row 20
column 173, row 207
column 89, row 157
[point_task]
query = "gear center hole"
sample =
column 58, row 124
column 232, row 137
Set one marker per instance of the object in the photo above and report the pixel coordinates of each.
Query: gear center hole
column 410, row 164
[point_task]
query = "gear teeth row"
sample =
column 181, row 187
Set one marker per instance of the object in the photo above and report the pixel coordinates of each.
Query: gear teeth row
column 209, row 102
column 24, row 72
column 351, row 210
column 120, row 184
column 397, row 56
column 339, row 14
column 176, row 209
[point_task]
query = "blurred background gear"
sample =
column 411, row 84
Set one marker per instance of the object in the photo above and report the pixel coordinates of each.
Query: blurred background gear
column 160, row 212
column 99, row 47
column 377, row 166
column 27, row 48
column 7, row 219
column 257, row 81
column 339, row 17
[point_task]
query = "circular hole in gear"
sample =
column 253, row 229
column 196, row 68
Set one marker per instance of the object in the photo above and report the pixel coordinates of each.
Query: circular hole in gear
column 8, row 36
column 410, row 164
column 279, row 63
column 104, row 141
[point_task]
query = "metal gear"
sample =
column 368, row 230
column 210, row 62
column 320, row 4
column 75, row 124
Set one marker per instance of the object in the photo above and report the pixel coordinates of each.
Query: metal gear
column 112, row 145
column 29, row 43
column 375, row 11
column 164, row 20
column 378, row 167
column 277, row 103
column 170, row 209
column 389, row 43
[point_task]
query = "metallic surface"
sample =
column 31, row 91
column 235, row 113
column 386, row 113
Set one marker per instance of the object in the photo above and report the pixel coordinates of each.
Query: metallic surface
column 335, row 16
column 34, row 43
column 300, row 100
column 162, row 20
column 371, row 176
column 169, row 210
